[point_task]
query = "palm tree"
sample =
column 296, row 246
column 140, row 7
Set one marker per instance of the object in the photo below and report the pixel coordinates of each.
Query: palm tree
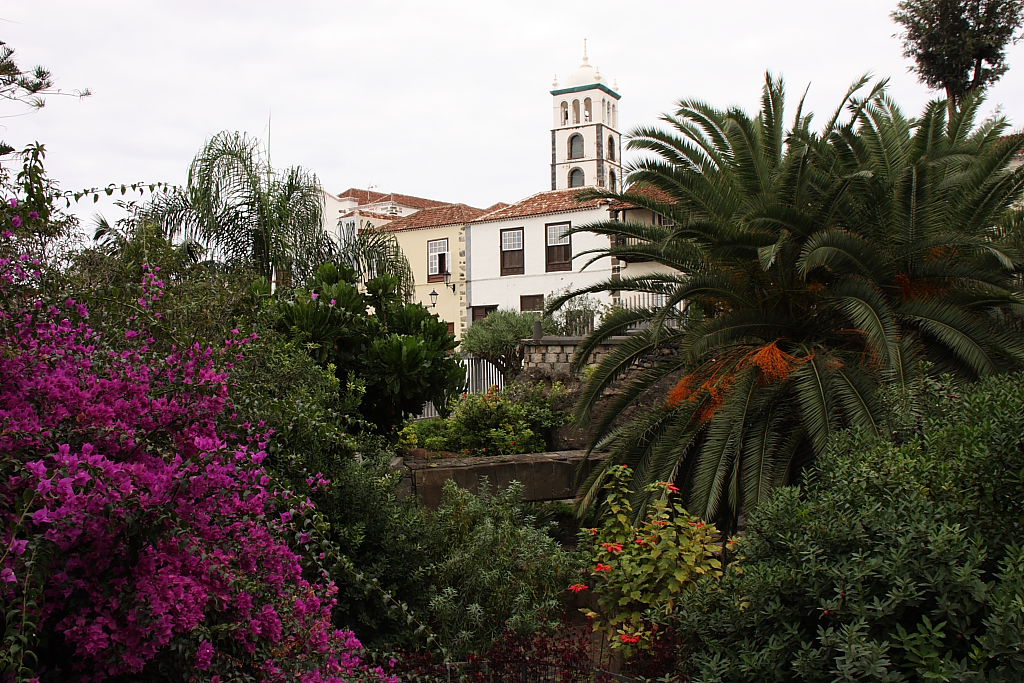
column 247, row 213
column 803, row 272
column 371, row 252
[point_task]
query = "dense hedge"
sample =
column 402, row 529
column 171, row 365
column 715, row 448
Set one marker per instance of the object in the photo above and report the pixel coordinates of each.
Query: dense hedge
column 895, row 561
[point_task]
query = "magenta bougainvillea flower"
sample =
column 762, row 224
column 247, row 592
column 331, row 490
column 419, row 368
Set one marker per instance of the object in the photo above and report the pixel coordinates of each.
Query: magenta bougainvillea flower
column 153, row 531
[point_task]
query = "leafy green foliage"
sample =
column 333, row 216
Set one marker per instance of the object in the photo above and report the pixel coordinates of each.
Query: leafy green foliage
column 519, row 419
column 958, row 45
column 371, row 253
column 801, row 273
column 642, row 568
column 896, row 562
column 495, row 571
column 401, row 354
column 498, row 338
column 246, row 212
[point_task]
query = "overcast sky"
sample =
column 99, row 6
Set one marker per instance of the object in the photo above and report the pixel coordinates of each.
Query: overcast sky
column 446, row 100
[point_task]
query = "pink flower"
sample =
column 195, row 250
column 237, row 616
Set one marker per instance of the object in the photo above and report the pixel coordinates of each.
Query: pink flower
column 16, row 220
column 7, row 575
column 34, row 215
column 314, row 296
column 13, row 202
column 204, row 655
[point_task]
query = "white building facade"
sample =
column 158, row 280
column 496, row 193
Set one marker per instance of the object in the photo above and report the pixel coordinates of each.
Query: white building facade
column 516, row 257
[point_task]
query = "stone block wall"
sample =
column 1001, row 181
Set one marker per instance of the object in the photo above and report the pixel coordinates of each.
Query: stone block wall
column 545, row 476
column 554, row 355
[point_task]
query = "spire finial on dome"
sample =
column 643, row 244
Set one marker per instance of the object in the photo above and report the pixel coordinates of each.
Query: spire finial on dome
column 554, row 83
column 585, row 59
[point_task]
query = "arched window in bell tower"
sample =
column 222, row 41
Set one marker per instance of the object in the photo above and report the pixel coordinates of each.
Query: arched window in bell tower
column 563, row 118
column 612, row 182
column 611, row 148
column 575, row 111
column 588, row 110
column 576, row 178
column 576, row 146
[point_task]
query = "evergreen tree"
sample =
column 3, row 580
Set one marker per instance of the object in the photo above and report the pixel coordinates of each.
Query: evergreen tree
column 958, row 46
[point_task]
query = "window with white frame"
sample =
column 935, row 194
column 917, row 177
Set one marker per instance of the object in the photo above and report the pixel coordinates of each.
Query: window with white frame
column 437, row 260
column 558, row 255
column 512, row 251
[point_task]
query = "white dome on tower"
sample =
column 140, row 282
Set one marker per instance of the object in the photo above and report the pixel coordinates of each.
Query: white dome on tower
column 584, row 75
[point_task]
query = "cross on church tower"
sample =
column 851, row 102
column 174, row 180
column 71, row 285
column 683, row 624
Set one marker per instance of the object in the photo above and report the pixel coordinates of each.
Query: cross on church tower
column 586, row 146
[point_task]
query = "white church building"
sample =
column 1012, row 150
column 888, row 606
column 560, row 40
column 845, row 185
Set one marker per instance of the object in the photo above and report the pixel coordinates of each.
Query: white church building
column 515, row 256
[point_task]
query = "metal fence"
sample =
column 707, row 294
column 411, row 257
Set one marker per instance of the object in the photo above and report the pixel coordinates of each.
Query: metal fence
column 481, row 375
column 638, row 300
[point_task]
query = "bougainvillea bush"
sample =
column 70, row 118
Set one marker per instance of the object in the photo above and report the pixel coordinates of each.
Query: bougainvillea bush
column 141, row 539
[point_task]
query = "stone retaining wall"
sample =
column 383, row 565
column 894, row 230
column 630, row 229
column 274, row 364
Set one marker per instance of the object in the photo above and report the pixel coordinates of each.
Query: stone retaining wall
column 545, row 476
column 554, row 355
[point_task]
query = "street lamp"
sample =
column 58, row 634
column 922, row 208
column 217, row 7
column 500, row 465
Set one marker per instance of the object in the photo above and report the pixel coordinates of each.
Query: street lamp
column 433, row 299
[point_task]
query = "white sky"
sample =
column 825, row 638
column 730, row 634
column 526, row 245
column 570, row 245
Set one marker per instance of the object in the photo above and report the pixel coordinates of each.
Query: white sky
column 446, row 100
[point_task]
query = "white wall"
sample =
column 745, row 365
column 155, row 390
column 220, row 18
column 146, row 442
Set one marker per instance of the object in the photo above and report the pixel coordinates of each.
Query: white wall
column 486, row 285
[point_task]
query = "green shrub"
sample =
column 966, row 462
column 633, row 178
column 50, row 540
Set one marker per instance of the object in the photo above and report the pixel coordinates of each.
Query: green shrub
column 487, row 424
column 519, row 419
column 495, row 571
column 498, row 338
column 429, row 434
column 640, row 568
column 895, row 562
column 401, row 352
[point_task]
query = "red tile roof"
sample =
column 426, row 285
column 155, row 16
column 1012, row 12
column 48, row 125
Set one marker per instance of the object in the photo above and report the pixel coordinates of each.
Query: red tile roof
column 436, row 216
column 367, row 214
column 553, row 201
column 648, row 191
column 371, row 197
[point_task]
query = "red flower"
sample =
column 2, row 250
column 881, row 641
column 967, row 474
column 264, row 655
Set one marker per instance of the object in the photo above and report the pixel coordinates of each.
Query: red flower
column 614, row 548
column 578, row 587
column 641, row 541
column 602, row 567
column 670, row 486
column 629, row 639
column 593, row 532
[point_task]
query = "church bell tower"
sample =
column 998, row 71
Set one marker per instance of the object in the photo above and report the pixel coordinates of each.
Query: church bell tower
column 586, row 146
